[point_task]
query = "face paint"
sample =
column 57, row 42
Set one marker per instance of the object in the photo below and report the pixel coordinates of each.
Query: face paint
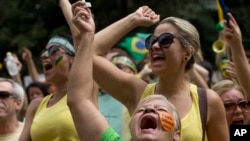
column 59, row 60
column 167, row 121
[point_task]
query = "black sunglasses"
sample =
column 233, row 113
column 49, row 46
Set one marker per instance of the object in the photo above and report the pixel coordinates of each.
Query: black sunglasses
column 5, row 95
column 164, row 40
column 50, row 51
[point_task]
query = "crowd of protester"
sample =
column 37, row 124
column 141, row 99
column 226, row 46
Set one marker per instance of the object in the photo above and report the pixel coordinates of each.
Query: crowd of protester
column 94, row 90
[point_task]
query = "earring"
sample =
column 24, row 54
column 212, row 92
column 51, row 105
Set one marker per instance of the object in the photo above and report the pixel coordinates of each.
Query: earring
column 185, row 58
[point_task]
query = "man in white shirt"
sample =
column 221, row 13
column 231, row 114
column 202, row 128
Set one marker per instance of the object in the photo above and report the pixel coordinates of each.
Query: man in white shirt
column 11, row 101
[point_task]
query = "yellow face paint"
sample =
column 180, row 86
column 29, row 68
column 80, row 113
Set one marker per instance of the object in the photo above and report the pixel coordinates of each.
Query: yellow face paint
column 167, row 121
column 59, row 60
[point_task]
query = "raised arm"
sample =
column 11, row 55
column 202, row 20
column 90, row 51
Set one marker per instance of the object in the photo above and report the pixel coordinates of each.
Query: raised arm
column 198, row 75
column 18, row 79
column 109, row 36
column 89, row 122
column 27, row 57
column 234, row 39
column 67, row 12
column 125, row 87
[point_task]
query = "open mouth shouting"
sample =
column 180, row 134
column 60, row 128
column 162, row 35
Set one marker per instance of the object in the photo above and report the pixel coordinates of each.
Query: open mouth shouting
column 47, row 67
column 238, row 121
column 157, row 59
column 148, row 123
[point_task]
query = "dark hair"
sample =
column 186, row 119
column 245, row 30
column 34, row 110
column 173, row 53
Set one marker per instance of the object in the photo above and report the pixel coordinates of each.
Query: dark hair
column 44, row 87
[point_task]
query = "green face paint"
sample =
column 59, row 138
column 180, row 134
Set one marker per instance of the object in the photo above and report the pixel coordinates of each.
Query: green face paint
column 59, row 60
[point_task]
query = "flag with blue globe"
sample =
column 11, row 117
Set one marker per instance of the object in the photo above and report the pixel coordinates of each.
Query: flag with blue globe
column 135, row 46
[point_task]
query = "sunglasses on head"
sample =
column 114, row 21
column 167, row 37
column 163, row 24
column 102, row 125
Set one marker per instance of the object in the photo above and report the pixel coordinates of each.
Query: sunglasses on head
column 164, row 40
column 243, row 105
column 5, row 95
column 50, row 51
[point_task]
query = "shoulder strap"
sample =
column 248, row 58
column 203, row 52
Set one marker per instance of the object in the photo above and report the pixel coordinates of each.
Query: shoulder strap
column 203, row 109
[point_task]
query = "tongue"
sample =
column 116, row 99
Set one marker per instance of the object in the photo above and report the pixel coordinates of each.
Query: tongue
column 158, row 61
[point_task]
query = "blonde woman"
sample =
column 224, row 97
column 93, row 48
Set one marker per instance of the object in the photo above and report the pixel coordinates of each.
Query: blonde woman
column 153, row 119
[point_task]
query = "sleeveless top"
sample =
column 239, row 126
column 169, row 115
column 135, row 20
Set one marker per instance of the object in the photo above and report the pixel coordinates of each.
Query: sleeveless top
column 53, row 123
column 191, row 128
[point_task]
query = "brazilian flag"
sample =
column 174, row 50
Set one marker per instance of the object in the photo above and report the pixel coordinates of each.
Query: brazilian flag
column 135, row 46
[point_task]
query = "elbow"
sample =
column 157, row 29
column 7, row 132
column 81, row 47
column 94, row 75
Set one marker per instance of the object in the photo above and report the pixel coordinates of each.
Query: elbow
column 71, row 98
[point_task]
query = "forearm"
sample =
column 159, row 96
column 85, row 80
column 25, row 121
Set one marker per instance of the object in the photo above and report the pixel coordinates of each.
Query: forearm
column 94, row 97
column 108, row 37
column 32, row 70
column 18, row 79
column 81, row 71
column 67, row 12
column 90, row 123
column 197, row 79
column 242, row 68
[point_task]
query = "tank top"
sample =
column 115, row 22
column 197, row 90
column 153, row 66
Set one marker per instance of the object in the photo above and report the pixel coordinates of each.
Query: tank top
column 191, row 128
column 53, row 123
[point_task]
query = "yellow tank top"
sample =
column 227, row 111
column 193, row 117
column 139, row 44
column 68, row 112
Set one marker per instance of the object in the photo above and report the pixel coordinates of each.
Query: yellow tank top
column 54, row 123
column 191, row 122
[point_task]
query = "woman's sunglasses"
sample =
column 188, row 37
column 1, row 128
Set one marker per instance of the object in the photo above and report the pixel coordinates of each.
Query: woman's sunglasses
column 243, row 105
column 50, row 51
column 5, row 95
column 164, row 40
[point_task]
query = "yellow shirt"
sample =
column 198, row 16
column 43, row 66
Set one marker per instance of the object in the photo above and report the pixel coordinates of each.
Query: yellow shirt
column 191, row 122
column 53, row 123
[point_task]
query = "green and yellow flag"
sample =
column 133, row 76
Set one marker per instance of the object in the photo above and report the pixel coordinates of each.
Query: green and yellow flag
column 135, row 46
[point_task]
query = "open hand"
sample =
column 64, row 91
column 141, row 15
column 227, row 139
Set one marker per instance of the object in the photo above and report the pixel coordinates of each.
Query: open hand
column 232, row 33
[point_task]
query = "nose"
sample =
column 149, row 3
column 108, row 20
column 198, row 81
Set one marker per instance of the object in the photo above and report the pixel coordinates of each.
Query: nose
column 238, row 109
column 155, row 45
column 34, row 95
column 150, row 109
column 45, row 54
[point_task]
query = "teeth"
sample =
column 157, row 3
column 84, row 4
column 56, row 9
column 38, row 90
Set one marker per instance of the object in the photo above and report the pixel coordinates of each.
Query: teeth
column 44, row 64
column 156, row 55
